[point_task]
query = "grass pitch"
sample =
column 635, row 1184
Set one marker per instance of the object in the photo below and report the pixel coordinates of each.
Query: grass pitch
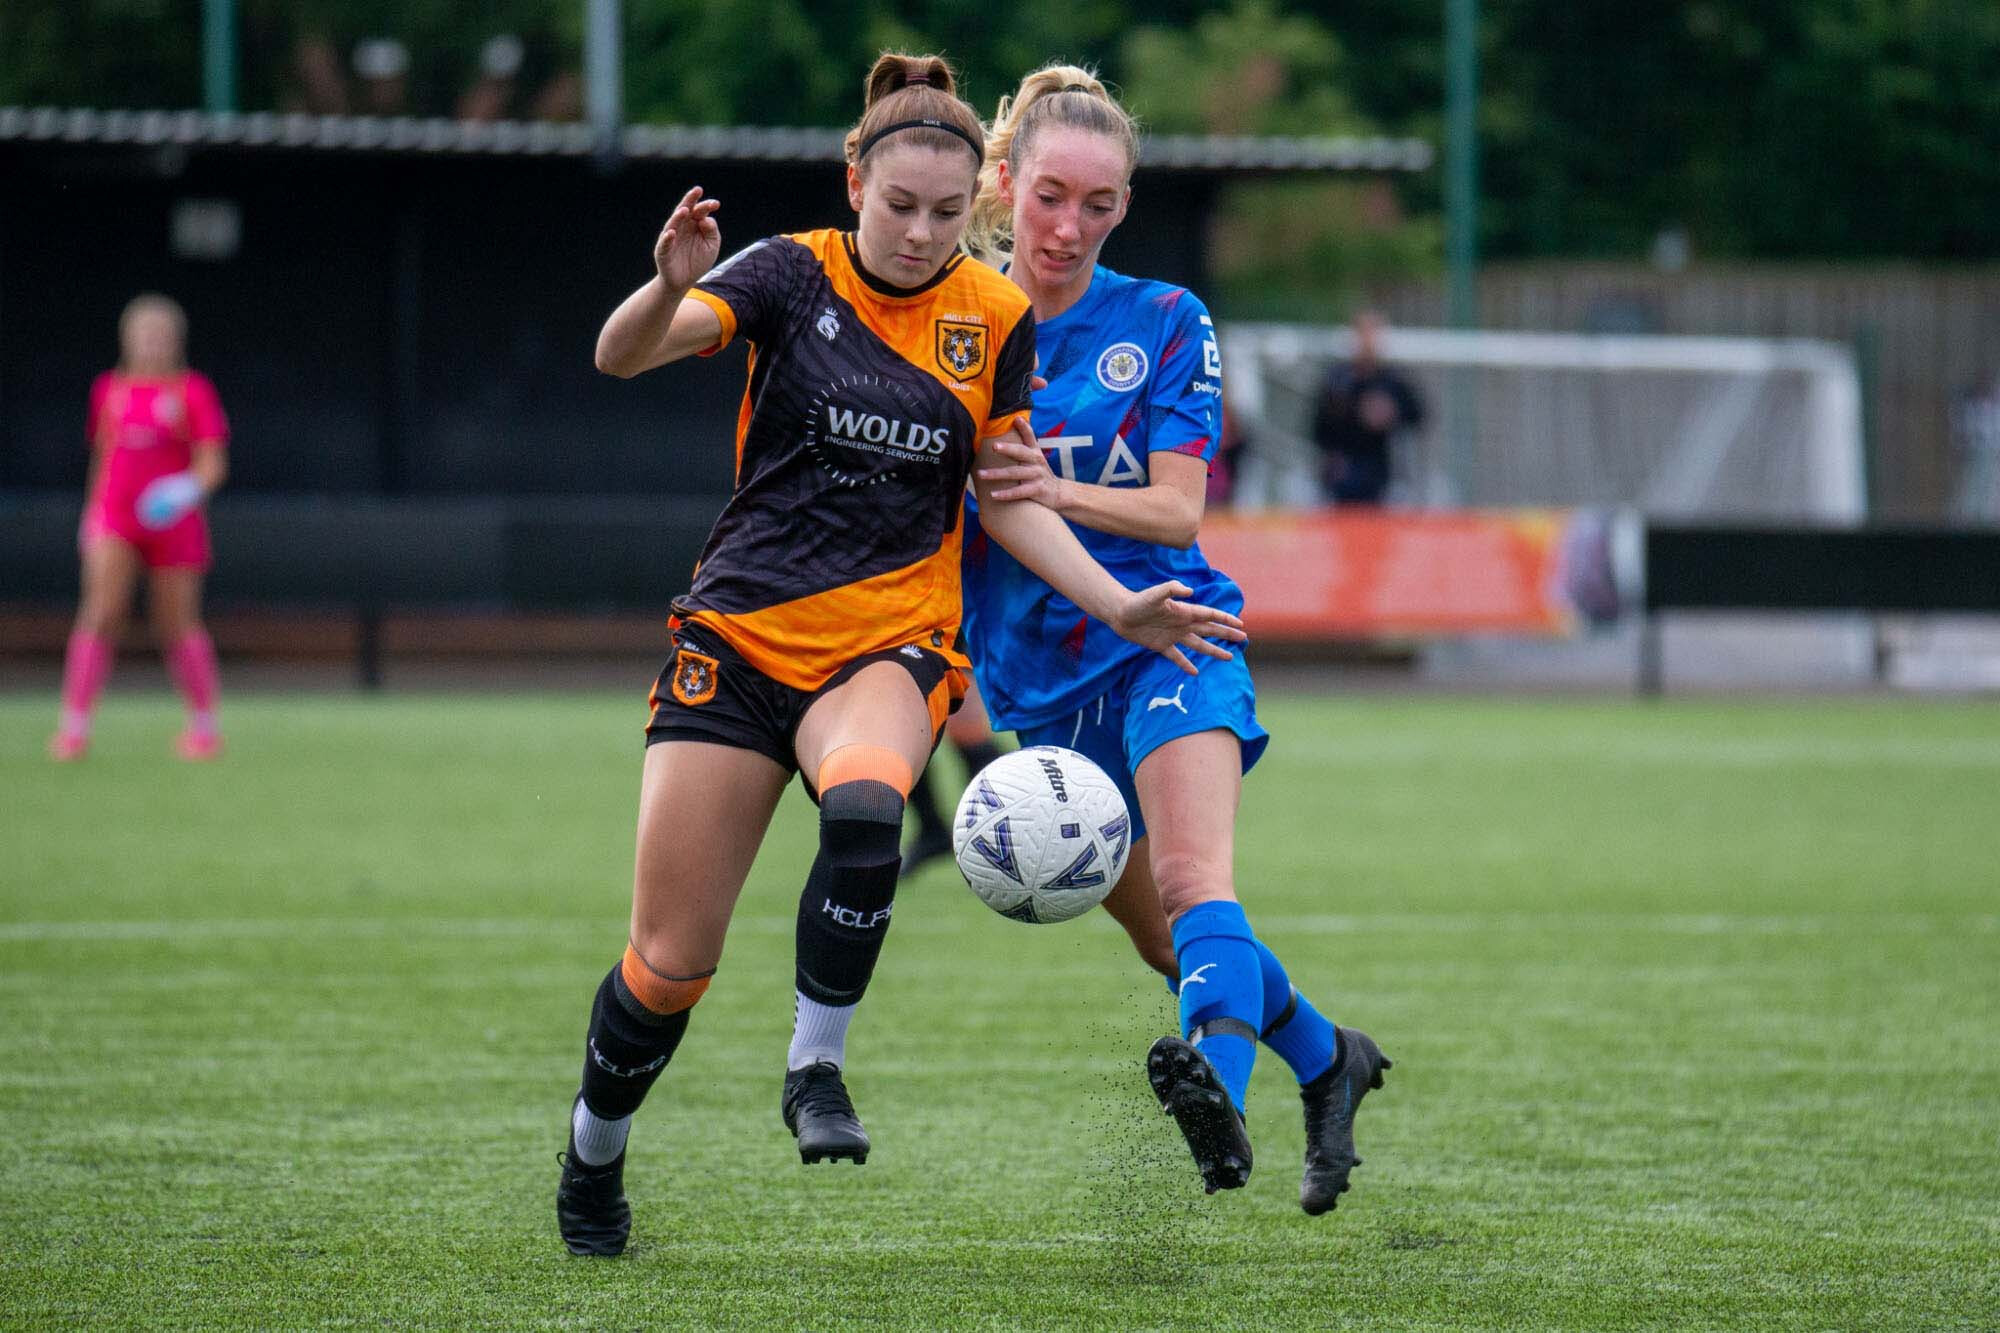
column 1695, row 1011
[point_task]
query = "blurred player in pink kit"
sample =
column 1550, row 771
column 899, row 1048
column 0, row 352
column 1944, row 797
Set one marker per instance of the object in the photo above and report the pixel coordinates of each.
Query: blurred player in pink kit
column 157, row 439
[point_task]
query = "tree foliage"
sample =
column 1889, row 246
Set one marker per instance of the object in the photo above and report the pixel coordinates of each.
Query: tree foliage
column 100, row 53
column 1760, row 128
column 798, row 63
column 1283, row 249
column 1249, row 69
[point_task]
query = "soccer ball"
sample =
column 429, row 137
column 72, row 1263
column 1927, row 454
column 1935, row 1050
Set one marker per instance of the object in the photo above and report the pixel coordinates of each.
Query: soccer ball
column 1042, row 834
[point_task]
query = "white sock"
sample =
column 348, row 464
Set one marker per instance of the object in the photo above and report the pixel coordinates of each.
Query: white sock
column 597, row 1140
column 819, row 1032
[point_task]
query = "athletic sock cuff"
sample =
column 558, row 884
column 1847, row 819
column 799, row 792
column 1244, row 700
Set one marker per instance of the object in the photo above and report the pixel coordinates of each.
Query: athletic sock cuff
column 654, row 998
column 1211, row 920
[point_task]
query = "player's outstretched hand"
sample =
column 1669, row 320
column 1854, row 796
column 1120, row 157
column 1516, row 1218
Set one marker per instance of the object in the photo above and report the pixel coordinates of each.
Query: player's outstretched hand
column 1156, row 618
column 166, row 500
column 690, row 242
column 1027, row 475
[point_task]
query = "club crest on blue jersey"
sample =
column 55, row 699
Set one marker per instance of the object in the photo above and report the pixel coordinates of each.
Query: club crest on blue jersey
column 961, row 349
column 1122, row 367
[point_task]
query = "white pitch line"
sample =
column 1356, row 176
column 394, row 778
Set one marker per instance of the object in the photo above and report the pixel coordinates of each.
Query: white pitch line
column 1600, row 923
column 259, row 928
column 1946, row 752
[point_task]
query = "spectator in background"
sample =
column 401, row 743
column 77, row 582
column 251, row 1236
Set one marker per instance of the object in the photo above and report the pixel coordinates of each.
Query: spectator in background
column 383, row 66
column 157, row 437
column 1363, row 405
column 319, row 87
column 561, row 98
column 1975, row 420
column 492, row 95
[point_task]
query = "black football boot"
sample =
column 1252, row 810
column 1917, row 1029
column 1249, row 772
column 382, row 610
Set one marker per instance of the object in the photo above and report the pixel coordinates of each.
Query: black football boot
column 1190, row 1091
column 1331, row 1101
column 821, row 1116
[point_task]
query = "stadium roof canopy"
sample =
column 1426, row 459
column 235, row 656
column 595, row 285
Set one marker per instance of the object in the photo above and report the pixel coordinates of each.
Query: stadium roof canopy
column 738, row 143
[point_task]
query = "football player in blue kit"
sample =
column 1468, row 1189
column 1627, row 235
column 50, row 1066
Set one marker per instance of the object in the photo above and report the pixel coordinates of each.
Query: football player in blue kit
column 820, row 636
column 1127, row 427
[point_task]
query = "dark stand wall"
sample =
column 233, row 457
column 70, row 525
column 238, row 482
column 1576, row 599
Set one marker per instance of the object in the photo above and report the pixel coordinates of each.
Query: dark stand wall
column 404, row 324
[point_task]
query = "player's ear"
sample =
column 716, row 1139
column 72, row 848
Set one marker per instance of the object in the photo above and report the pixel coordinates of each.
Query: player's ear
column 854, row 187
column 1005, row 177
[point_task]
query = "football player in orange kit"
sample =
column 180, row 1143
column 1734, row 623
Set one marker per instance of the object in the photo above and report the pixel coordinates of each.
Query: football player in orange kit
column 821, row 634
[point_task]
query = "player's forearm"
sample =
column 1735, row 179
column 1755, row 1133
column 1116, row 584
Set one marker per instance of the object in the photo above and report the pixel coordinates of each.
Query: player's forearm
column 635, row 338
column 1037, row 537
column 1159, row 514
column 210, row 467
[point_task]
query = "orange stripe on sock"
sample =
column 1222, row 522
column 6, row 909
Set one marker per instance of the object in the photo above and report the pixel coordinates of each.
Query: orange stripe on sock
column 866, row 763
column 658, row 992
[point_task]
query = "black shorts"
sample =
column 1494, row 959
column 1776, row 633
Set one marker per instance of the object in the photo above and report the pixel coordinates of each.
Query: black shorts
column 709, row 693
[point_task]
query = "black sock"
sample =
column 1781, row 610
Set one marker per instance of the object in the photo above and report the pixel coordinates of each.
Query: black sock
column 924, row 805
column 628, row 1047
column 977, row 756
column 844, row 911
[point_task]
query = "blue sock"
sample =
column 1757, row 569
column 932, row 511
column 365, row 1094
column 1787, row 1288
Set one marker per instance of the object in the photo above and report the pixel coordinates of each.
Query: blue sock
column 1221, row 977
column 1305, row 1040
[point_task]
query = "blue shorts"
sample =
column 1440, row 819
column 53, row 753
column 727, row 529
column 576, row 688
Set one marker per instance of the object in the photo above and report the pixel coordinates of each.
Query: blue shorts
column 1151, row 702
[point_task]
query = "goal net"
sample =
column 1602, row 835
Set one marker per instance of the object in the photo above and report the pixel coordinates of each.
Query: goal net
column 1730, row 428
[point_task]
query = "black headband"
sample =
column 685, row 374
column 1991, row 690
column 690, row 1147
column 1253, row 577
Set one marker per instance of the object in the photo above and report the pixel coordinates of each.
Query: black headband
column 978, row 148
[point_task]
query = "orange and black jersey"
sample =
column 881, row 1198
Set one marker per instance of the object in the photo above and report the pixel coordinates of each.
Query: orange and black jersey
column 865, row 405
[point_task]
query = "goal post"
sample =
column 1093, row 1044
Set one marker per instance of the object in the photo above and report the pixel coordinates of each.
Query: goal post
column 1683, row 427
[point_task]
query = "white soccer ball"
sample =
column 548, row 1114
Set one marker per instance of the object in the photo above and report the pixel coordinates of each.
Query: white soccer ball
column 1041, row 834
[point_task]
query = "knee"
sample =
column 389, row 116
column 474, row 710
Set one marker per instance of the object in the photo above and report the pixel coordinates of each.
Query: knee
column 1186, row 880
column 101, row 615
column 659, row 991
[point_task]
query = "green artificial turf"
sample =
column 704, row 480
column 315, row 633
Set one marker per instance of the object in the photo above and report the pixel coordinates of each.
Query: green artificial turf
column 1695, row 1010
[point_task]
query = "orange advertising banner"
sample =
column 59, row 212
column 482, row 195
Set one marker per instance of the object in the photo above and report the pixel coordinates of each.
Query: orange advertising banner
column 1360, row 573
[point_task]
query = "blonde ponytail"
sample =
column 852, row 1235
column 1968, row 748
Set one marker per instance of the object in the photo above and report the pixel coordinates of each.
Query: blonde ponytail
column 1067, row 95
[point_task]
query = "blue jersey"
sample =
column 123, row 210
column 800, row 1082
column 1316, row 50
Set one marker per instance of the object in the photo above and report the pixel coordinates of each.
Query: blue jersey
column 1133, row 371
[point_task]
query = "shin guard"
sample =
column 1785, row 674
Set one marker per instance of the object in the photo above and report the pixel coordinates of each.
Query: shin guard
column 844, row 911
column 1299, row 1033
column 1222, row 990
column 629, row 1042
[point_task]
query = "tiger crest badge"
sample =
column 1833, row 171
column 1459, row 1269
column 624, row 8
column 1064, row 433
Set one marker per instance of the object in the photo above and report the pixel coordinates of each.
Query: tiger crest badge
column 961, row 349
column 694, row 677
